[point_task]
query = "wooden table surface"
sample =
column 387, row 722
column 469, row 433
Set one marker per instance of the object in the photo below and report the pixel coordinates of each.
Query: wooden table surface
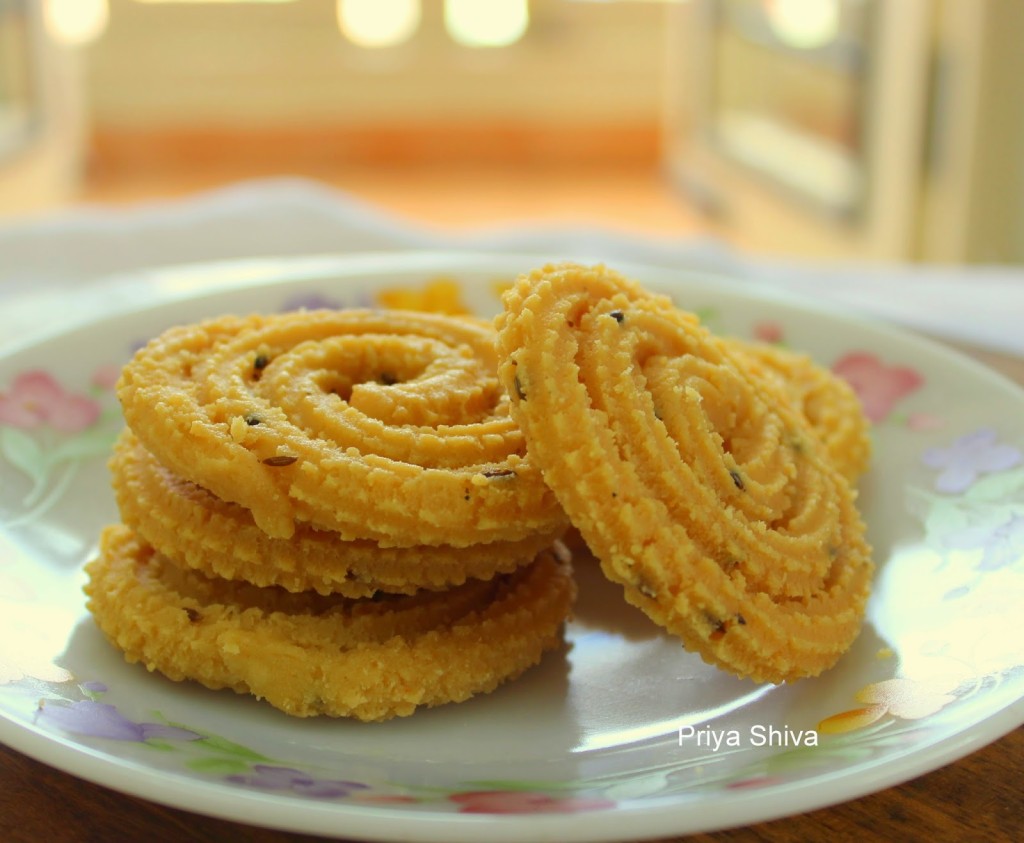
column 978, row 798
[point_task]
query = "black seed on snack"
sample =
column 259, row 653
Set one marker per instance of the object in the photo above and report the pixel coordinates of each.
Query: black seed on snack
column 499, row 472
column 252, row 420
column 737, row 480
column 742, row 621
column 618, row 316
column 645, row 588
column 280, row 461
column 193, row 615
column 519, row 388
column 258, row 365
column 719, row 629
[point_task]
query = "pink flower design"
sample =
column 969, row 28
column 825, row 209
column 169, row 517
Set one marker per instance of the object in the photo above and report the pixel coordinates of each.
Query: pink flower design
column 106, row 377
column 753, row 783
column 924, row 422
column 769, row 331
column 878, row 386
column 523, row 802
column 35, row 399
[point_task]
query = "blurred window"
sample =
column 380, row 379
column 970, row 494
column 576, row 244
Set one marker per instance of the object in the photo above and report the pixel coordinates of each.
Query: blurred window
column 76, row 21
column 214, row 1
column 789, row 84
column 378, row 23
column 495, row 23
column 17, row 108
column 804, row 24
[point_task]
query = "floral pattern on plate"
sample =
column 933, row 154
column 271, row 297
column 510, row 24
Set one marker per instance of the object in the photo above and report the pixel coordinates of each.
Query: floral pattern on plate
column 961, row 532
column 78, row 710
column 47, row 431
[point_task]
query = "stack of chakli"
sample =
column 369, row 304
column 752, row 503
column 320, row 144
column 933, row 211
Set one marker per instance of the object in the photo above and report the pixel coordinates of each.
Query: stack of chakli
column 331, row 510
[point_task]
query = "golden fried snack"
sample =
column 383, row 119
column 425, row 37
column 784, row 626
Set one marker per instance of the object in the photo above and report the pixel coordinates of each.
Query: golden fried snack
column 706, row 498
column 310, row 654
column 828, row 402
column 388, row 426
column 191, row 527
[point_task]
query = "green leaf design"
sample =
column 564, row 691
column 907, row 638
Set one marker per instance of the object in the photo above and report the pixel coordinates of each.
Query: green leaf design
column 523, row 785
column 217, row 766
column 946, row 517
column 709, row 317
column 91, row 443
column 998, row 488
column 215, row 743
column 163, row 746
column 812, row 756
column 226, row 747
column 643, row 786
column 25, row 454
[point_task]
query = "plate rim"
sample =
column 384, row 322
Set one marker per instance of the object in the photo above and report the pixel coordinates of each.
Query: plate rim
column 617, row 824
column 83, row 761
column 324, row 264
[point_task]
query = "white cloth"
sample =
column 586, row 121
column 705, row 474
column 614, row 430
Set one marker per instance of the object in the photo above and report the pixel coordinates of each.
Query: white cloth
column 47, row 265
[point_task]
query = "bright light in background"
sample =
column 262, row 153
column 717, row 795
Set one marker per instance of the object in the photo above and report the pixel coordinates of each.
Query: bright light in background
column 378, row 23
column 76, row 22
column 494, row 23
column 214, row 1
column 804, row 24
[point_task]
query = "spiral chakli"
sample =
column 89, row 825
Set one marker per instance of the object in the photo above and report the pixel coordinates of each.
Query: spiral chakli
column 703, row 492
column 827, row 402
column 192, row 527
column 384, row 426
column 308, row 654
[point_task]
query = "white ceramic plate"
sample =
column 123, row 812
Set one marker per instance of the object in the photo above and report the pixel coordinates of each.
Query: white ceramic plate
column 621, row 734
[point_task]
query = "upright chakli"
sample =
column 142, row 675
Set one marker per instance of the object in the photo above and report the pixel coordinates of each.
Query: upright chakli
column 692, row 469
column 331, row 510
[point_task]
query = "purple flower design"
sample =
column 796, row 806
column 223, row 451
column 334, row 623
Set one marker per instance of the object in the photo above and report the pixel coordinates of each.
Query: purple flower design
column 311, row 301
column 1003, row 545
column 321, row 301
column 269, row 777
column 969, row 457
column 101, row 720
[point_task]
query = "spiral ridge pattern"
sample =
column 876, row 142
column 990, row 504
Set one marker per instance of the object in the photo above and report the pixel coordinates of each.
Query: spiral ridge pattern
column 385, row 426
column 701, row 487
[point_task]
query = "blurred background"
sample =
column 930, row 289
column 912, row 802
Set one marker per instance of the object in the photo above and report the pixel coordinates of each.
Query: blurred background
column 878, row 129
